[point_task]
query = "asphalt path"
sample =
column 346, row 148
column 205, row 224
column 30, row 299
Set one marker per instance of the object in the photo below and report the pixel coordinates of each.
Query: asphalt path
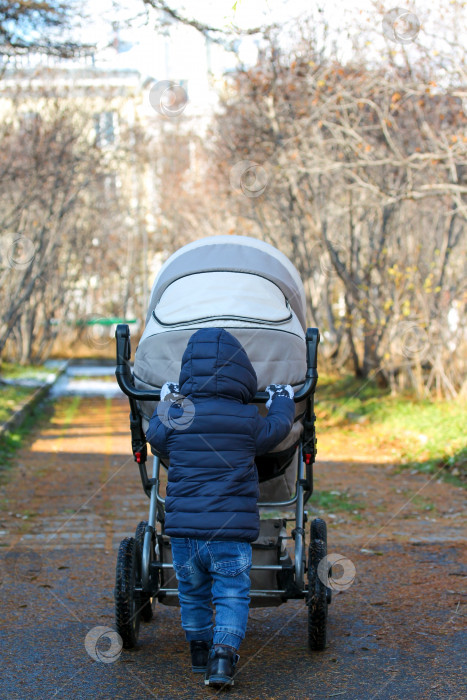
column 74, row 492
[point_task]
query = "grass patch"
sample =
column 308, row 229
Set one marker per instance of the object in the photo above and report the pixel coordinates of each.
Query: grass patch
column 271, row 514
column 71, row 407
column 354, row 392
column 423, row 503
column 421, row 434
column 12, row 395
column 94, row 377
column 10, row 399
column 39, row 417
column 10, row 442
column 11, row 370
column 335, row 501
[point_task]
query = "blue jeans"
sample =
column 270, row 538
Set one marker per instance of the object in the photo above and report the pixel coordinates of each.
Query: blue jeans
column 217, row 569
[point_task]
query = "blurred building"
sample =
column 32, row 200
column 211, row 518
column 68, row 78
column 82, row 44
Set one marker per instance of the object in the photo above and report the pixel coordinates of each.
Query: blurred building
column 133, row 93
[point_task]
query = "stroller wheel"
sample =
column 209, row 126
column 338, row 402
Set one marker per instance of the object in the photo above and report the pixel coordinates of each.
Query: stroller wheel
column 145, row 600
column 317, row 589
column 127, row 607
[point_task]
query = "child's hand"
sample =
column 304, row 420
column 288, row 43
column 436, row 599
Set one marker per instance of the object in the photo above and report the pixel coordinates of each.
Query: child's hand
column 169, row 388
column 278, row 390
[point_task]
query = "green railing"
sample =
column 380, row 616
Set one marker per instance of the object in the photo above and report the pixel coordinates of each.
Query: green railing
column 104, row 321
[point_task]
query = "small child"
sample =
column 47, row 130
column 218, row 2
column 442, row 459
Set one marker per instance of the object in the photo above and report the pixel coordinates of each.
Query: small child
column 211, row 435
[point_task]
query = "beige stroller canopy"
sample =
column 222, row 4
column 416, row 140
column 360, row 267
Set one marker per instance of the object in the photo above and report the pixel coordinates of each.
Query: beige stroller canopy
column 234, row 282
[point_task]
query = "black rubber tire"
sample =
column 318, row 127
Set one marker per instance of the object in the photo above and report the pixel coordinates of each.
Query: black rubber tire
column 319, row 530
column 317, row 590
column 127, row 612
column 145, row 600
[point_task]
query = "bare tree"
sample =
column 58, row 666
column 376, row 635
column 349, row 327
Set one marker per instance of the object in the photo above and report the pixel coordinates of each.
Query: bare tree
column 39, row 26
column 359, row 174
column 225, row 36
column 64, row 228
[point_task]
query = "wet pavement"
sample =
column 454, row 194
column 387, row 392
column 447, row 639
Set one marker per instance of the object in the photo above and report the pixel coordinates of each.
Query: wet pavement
column 74, row 492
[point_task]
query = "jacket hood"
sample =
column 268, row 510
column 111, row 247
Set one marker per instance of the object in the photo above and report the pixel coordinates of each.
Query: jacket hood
column 215, row 364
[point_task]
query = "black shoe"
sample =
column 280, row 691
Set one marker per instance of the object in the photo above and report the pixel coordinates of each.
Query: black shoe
column 199, row 655
column 221, row 666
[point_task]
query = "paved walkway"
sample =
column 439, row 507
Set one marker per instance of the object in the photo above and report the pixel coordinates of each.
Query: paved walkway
column 74, row 492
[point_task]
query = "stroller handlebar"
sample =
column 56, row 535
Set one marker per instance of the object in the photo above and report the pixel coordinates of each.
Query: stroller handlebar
column 125, row 378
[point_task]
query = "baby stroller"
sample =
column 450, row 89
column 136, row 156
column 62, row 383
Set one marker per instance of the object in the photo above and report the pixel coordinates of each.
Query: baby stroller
column 250, row 288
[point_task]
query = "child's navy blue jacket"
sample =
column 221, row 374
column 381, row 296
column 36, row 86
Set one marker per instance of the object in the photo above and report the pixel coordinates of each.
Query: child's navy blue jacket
column 212, row 489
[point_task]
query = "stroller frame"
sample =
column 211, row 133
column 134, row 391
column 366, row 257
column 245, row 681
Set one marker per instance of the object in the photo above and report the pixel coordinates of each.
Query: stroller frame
column 141, row 569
